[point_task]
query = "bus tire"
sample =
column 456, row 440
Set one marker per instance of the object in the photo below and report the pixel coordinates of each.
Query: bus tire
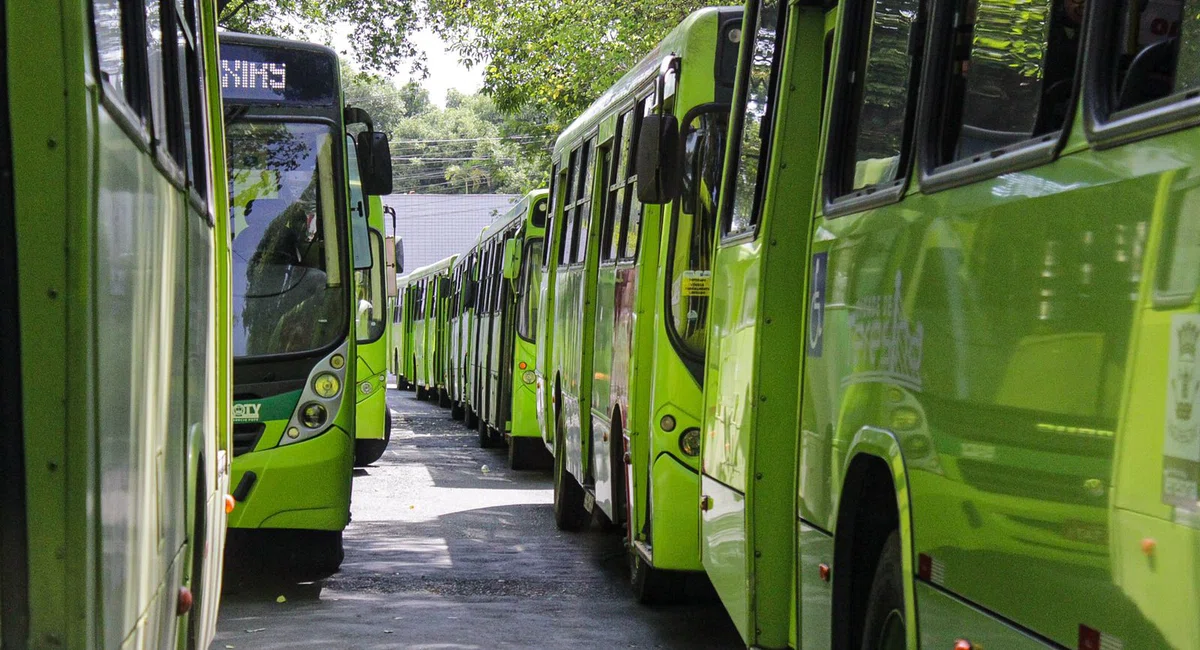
column 653, row 586
column 420, row 392
column 319, row 554
column 457, row 411
column 569, row 511
column 485, row 435
column 883, row 625
column 443, row 398
column 199, row 551
column 528, row 453
column 369, row 451
column 470, row 420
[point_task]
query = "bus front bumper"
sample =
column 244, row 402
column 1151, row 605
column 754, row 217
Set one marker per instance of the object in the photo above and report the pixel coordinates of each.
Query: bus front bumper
column 305, row 485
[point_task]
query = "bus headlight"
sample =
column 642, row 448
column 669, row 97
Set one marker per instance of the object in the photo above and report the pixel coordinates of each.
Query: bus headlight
column 337, row 361
column 689, row 442
column 528, row 377
column 667, row 423
column 326, row 385
column 313, row 415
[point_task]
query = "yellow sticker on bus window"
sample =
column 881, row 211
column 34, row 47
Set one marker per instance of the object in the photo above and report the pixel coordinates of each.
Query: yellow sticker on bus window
column 695, row 284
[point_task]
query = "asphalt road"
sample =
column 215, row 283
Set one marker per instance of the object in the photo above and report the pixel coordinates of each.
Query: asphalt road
column 448, row 548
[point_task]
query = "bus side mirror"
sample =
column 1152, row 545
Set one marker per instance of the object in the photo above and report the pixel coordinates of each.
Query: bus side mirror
column 399, row 254
column 389, row 266
column 375, row 163
column 512, row 260
column 658, row 173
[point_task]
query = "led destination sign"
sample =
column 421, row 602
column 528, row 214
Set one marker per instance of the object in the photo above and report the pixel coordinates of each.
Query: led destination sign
column 263, row 73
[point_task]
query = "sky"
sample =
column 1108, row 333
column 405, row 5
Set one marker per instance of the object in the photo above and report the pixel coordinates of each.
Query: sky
column 445, row 70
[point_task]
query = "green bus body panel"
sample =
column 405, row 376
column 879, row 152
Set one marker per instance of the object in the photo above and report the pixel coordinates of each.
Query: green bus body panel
column 524, row 423
column 371, row 367
column 1019, row 352
column 309, row 486
column 124, row 391
column 751, row 380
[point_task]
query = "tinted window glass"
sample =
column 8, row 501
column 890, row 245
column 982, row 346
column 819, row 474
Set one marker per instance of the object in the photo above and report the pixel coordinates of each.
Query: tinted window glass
column 882, row 114
column 755, row 123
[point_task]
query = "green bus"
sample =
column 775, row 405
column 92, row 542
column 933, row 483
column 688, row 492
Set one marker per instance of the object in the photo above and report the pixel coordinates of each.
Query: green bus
column 373, row 418
column 403, row 310
column 628, row 285
column 429, row 286
column 950, row 395
column 291, row 165
column 115, row 399
column 464, row 284
column 503, row 338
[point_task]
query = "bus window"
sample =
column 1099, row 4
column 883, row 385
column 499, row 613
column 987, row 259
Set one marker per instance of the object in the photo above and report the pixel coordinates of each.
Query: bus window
column 1011, row 74
column 369, row 323
column 633, row 213
column 527, row 298
column 583, row 206
column 552, row 204
column 609, row 234
column 691, row 239
column 568, row 214
column 618, row 202
column 1154, row 52
column 879, row 123
column 755, row 125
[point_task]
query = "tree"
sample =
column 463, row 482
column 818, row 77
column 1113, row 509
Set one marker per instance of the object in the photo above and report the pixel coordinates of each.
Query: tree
column 379, row 27
column 555, row 56
column 468, row 147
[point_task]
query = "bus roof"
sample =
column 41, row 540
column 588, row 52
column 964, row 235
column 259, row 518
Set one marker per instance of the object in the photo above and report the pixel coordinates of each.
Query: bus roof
column 516, row 213
column 430, row 269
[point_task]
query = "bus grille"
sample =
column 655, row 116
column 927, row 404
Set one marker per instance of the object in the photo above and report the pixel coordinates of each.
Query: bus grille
column 245, row 436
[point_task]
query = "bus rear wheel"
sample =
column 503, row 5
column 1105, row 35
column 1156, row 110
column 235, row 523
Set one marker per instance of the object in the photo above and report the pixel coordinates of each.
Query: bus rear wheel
column 486, row 440
column 653, row 586
column 457, row 411
column 420, row 392
column 528, row 453
column 369, row 451
column 883, row 626
column 443, row 398
column 317, row 554
column 569, row 511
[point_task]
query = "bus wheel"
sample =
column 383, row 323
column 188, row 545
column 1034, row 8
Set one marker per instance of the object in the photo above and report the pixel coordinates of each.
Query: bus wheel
column 369, row 451
column 569, row 511
column 528, row 453
column 652, row 586
column 485, row 435
column 199, row 551
column 318, row 554
column 457, row 411
column 883, row 626
column 420, row 392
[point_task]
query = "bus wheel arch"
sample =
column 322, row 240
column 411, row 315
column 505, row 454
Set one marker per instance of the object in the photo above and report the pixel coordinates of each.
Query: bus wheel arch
column 199, row 555
column 872, row 514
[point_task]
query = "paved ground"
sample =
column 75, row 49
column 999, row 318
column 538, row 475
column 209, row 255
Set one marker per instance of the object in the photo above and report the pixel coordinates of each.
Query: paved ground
column 443, row 553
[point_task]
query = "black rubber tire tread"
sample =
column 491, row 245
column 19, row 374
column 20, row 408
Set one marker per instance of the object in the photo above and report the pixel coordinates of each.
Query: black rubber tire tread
column 443, row 398
column 528, row 454
column 887, row 592
column 653, row 586
column 369, row 451
column 318, row 554
column 569, row 511
column 458, row 411
column 420, row 393
column 485, row 435
column 471, row 420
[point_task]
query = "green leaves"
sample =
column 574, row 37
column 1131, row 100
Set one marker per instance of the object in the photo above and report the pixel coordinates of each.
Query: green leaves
column 555, row 56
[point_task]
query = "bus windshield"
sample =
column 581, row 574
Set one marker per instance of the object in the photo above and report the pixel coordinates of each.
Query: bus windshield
column 287, row 290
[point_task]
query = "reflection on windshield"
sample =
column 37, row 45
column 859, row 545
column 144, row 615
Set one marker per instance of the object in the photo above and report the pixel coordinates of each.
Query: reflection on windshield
column 287, row 293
